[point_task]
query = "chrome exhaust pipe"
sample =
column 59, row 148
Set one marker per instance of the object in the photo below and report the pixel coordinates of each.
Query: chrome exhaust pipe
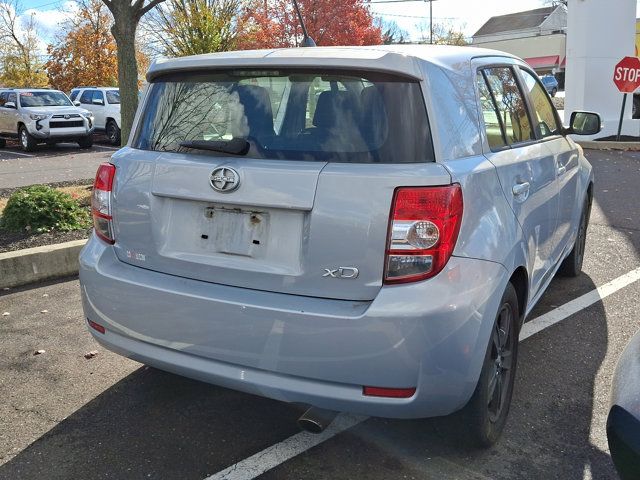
column 315, row 420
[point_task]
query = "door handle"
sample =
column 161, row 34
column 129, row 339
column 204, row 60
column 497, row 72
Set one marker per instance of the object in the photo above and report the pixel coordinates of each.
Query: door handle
column 521, row 190
column 562, row 170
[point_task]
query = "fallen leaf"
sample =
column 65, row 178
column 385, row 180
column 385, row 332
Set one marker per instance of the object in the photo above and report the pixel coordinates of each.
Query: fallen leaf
column 45, row 295
column 44, row 311
column 39, row 352
column 5, row 314
column 90, row 354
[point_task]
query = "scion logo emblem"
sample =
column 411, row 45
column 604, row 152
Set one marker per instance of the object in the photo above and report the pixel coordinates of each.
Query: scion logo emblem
column 341, row 272
column 224, row 179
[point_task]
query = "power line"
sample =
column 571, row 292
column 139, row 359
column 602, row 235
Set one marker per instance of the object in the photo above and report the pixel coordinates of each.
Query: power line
column 57, row 2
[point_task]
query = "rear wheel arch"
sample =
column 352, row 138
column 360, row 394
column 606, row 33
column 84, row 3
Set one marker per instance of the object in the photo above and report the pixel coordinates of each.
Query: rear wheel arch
column 520, row 281
column 19, row 126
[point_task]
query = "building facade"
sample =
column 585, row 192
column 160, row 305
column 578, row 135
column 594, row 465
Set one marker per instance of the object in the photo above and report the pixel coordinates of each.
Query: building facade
column 538, row 36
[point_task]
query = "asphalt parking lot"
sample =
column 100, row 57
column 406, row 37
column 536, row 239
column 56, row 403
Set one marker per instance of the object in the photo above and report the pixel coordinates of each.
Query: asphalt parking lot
column 64, row 416
column 60, row 163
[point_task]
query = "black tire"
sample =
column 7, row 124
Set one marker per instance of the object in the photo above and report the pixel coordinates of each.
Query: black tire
column 113, row 133
column 27, row 142
column 572, row 265
column 553, row 92
column 485, row 416
column 3, row 143
column 85, row 142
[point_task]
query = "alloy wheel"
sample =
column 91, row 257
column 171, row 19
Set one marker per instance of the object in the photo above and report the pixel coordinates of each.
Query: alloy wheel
column 502, row 362
column 23, row 138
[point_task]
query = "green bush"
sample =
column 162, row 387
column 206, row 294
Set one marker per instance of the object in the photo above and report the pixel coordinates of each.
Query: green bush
column 43, row 209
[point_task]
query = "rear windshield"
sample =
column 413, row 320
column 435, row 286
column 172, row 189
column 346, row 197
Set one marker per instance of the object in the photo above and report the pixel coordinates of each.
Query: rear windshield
column 290, row 115
column 44, row 99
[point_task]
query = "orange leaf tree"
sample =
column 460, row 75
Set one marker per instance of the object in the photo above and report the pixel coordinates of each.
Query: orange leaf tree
column 85, row 53
column 273, row 23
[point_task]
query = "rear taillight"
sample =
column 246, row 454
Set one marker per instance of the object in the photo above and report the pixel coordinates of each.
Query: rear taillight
column 101, row 202
column 423, row 229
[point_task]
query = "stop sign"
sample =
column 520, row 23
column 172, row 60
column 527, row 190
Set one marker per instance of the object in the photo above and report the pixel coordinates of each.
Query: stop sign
column 626, row 74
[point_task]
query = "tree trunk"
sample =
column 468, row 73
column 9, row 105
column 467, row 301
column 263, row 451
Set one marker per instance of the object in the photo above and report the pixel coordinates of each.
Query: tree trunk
column 124, row 33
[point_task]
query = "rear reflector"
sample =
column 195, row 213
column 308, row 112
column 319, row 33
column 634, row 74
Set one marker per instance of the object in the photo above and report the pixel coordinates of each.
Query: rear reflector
column 388, row 392
column 96, row 326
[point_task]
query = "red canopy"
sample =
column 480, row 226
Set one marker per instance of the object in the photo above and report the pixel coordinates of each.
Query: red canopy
column 543, row 62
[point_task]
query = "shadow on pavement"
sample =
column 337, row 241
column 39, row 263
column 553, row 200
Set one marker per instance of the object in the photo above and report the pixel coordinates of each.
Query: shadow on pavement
column 156, row 425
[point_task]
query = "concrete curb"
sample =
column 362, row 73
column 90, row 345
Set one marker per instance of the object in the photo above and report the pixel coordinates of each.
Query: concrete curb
column 39, row 263
column 624, row 146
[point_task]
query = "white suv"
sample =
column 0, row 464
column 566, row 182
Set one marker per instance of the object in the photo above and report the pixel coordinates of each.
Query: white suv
column 104, row 103
column 43, row 116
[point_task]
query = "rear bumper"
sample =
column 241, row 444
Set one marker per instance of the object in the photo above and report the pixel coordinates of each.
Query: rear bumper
column 430, row 335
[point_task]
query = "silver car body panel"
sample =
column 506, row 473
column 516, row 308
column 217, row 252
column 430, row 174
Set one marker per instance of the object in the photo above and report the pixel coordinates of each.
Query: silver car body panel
column 280, row 329
column 302, row 349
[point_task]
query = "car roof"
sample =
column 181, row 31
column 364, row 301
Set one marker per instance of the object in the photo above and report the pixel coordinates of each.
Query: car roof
column 388, row 58
column 20, row 90
column 95, row 88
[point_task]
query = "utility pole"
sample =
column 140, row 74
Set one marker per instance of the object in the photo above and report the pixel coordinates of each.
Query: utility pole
column 430, row 20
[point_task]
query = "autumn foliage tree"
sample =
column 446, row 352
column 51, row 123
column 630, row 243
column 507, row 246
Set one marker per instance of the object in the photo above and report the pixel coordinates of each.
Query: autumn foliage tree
column 85, row 53
column 20, row 65
column 273, row 23
column 190, row 27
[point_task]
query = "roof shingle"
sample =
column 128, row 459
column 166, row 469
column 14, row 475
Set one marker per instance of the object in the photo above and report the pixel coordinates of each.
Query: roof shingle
column 515, row 21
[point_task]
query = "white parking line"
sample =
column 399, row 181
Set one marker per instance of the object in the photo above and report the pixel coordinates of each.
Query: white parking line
column 563, row 311
column 279, row 453
column 104, row 146
column 18, row 153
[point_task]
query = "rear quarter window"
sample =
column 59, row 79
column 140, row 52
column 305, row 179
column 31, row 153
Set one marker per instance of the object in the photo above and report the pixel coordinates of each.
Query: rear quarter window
column 315, row 115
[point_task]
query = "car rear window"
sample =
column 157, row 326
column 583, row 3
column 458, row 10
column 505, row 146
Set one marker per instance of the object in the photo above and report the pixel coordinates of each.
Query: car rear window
column 290, row 114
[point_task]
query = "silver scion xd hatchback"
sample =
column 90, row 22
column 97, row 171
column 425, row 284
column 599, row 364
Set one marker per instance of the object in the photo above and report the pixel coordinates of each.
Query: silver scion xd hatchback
column 357, row 229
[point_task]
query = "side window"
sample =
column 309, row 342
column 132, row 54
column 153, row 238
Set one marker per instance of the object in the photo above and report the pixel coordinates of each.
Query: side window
column 545, row 122
column 510, row 104
column 491, row 116
column 98, row 95
column 86, row 97
column 12, row 97
column 3, row 98
column 73, row 94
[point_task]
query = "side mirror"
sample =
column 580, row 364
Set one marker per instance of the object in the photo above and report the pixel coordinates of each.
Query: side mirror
column 10, row 105
column 97, row 101
column 584, row 123
column 77, row 103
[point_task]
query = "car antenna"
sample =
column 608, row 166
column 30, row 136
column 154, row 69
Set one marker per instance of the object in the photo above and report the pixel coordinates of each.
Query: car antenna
column 307, row 41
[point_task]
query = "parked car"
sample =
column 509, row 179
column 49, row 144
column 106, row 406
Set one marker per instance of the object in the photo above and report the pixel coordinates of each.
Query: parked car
column 356, row 229
column 104, row 103
column 550, row 84
column 623, row 423
column 43, row 116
